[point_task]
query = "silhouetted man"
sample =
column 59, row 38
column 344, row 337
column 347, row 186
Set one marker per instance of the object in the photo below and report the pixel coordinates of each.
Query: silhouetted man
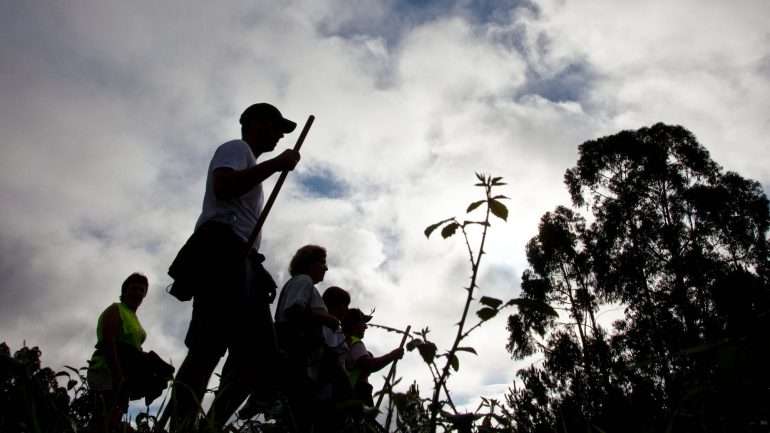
column 230, row 301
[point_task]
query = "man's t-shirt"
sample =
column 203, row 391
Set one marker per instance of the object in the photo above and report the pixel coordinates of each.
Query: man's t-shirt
column 240, row 213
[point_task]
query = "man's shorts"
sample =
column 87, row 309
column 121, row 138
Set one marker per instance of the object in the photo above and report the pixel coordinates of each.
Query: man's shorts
column 228, row 311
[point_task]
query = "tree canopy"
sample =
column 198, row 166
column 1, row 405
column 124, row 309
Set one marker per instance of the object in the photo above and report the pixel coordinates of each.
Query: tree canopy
column 681, row 246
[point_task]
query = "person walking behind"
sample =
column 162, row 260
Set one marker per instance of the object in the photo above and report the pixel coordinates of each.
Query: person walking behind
column 112, row 370
column 299, row 318
column 232, row 291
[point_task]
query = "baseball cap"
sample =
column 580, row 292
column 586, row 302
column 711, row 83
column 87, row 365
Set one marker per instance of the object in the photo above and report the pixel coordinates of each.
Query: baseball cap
column 265, row 111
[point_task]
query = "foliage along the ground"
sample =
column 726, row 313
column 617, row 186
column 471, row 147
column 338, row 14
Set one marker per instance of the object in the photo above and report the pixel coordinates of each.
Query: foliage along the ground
column 32, row 398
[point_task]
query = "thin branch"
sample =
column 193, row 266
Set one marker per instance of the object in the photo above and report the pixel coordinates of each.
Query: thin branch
column 390, row 329
column 445, row 372
column 468, row 244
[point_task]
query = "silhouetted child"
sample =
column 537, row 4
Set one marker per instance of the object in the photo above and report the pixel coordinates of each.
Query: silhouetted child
column 359, row 362
column 335, row 383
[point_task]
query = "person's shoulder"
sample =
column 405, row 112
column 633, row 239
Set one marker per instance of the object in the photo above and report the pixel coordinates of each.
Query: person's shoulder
column 112, row 312
column 236, row 145
column 232, row 154
column 358, row 349
column 300, row 280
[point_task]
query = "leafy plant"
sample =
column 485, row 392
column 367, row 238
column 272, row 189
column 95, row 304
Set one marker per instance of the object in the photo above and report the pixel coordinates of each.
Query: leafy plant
column 31, row 398
column 488, row 307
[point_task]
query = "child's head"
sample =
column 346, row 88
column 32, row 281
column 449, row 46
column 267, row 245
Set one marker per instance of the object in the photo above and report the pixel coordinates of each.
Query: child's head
column 354, row 323
column 337, row 301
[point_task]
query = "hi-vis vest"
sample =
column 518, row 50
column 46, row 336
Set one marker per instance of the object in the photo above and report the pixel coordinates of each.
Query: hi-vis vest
column 131, row 334
column 354, row 373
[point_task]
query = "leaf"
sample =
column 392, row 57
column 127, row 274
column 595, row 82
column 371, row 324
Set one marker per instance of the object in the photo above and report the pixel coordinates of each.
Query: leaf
column 529, row 304
column 474, row 205
column 71, row 384
column 427, row 351
column 467, row 349
column 454, row 362
column 449, row 230
column 62, row 373
column 501, row 197
column 490, row 302
column 480, row 177
column 498, row 209
column 486, row 313
column 412, row 344
column 430, row 228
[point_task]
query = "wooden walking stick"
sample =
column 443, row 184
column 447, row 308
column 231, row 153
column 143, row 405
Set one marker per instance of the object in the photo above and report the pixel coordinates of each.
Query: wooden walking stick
column 392, row 370
column 254, row 233
column 277, row 187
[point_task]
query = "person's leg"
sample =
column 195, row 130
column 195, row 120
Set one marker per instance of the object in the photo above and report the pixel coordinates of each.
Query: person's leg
column 250, row 363
column 232, row 392
column 204, row 352
column 251, row 345
column 207, row 336
column 190, row 387
column 119, row 408
column 299, row 393
column 102, row 404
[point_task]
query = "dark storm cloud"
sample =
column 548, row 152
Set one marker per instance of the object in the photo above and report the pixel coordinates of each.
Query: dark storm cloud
column 20, row 287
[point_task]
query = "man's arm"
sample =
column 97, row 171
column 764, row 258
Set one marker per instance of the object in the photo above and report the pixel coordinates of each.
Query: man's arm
column 230, row 183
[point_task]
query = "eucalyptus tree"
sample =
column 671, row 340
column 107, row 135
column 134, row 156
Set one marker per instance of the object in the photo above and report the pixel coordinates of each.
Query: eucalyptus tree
column 682, row 246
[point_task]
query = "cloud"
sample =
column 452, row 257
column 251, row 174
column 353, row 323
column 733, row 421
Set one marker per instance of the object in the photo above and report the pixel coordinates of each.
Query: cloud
column 113, row 111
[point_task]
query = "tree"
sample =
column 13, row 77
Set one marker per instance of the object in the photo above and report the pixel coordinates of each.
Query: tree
column 682, row 246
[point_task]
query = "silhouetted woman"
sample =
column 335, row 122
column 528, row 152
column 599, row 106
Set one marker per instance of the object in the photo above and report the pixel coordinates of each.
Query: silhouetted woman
column 119, row 341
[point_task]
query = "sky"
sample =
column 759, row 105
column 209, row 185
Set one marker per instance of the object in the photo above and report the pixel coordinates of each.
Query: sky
column 111, row 112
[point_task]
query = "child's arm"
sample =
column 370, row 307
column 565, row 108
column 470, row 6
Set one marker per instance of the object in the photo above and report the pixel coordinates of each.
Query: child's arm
column 322, row 317
column 370, row 364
